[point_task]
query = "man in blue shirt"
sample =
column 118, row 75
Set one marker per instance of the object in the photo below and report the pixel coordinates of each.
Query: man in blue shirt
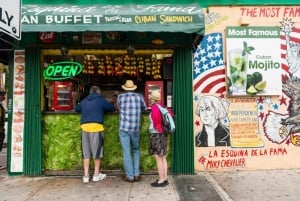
column 92, row 109
column 130, row 105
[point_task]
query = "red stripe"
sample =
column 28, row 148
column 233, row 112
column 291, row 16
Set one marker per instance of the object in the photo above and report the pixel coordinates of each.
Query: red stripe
column 294, row 39
column 212, row 84
column 214, row 73
column 221, row 90
column 283, row 56
column 284, row 78
column 285, row 68
column 295, row 29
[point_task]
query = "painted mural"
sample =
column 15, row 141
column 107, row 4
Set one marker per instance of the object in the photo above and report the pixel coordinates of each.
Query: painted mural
column 260, row 128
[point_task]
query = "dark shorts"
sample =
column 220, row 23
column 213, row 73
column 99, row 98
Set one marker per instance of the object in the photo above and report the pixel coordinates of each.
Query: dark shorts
column 92, row 144
column 158, row 144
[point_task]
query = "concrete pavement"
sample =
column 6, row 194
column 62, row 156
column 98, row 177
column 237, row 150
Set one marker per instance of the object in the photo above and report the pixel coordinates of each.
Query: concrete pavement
column 68, row 188
column 263, row 185
column 72, row 188
column 266, row 185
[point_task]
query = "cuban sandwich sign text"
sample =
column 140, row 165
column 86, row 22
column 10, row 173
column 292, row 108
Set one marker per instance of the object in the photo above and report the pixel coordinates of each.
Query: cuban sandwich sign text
column 164, row 17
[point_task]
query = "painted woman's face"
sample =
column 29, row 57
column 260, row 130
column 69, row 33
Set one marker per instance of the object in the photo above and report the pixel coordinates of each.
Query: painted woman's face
column 207, row 113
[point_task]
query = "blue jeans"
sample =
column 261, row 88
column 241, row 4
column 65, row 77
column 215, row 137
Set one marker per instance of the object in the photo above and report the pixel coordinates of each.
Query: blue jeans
column 130, row 141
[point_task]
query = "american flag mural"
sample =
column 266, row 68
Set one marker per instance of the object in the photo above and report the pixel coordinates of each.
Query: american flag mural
column 208, row 69
column 289, row 35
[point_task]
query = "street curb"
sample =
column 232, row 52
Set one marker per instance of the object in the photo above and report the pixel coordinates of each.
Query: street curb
column 222, row 193
column 174, row 188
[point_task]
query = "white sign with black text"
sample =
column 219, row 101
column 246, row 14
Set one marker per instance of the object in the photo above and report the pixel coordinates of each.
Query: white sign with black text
column 10, row 14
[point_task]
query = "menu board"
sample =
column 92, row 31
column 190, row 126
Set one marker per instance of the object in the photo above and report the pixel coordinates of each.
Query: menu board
column 244, row 123
column 17, row 151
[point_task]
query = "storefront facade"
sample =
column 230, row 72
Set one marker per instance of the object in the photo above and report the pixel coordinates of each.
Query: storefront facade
column 44, row 137
column 250, row 139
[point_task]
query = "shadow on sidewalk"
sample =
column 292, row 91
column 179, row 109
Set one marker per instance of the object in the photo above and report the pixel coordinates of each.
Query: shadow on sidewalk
column 195, row 188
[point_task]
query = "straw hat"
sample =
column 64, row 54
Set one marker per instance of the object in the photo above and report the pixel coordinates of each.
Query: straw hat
column 129, row 85
column 155, row 95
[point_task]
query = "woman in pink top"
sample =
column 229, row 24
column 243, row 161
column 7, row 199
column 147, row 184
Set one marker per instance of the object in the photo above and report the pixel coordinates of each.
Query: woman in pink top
column 158, row 141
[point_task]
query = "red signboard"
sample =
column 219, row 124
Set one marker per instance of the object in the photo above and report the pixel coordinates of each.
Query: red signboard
column 47, row 37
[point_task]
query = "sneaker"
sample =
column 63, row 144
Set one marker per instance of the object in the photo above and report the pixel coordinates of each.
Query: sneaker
column 99, row 177
column 85, row 179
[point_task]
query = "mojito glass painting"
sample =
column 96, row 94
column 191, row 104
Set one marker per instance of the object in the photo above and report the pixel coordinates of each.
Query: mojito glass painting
column 238, row 70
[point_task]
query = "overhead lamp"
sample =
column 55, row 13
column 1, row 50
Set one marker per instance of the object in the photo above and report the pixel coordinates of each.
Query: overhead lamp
column 130, row 49
column 64, row 50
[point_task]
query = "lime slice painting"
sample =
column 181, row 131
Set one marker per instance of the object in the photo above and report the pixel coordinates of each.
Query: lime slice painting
column 255, row 83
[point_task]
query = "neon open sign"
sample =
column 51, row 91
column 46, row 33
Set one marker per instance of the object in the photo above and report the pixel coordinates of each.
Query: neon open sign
column 62, row 70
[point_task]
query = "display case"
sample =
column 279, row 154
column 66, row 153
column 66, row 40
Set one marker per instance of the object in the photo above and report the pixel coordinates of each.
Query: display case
column 154, row 85
column 60, row 96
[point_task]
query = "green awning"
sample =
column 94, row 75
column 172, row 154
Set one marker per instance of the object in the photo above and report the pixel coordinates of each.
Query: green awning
column 186, row 18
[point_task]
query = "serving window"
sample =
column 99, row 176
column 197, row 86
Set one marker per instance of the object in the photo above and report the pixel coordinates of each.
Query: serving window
column 109, row 69
column 151, row 86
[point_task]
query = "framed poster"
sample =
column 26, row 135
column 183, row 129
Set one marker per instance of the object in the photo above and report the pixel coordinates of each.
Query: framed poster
column 154, row 85
column 253, row 61
column 91, row 38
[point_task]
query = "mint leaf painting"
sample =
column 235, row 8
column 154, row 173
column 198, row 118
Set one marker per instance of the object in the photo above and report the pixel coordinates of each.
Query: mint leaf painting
column 247, row 49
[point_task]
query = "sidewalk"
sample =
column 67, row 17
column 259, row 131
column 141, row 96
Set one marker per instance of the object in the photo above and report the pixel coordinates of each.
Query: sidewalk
column 68, row 188
column 3, row 163
column 267, row 185
column 72, row 188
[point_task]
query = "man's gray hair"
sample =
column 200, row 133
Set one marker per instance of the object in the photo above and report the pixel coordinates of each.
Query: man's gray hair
column 95, row 89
